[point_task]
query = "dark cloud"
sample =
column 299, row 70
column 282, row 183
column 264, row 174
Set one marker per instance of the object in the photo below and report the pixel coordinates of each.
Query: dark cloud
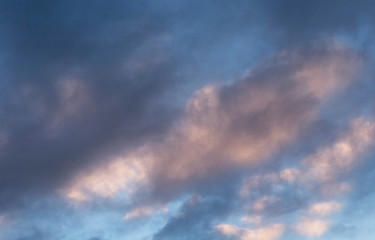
column 80, row 77
column 299, row 21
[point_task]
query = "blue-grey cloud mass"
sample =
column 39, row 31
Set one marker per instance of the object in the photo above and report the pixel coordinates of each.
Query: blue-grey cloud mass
column 157, row 120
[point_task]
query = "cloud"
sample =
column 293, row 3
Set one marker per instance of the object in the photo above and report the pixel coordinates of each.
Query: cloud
column 228, row 127
column 304, row 191
column 195, row 218
column 253, row 219
column 312, row 228
column 239, row 124
column 246, row 122
column 91, row 109
column 139, row 212
column 142, row 212
column 71, row 98
column 329, row 162
column 290, row 175
column 271, row 232
column 3, row 222
column 324, row 208
column 295, row 21
column 119, row 175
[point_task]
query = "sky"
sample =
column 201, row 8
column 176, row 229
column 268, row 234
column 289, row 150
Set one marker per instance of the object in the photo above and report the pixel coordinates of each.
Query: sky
column 187, row 119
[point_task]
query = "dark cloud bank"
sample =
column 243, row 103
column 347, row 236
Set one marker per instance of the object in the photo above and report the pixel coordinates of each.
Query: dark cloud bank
column 60, row 54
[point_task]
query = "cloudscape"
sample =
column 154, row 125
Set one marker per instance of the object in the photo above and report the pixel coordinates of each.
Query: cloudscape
column 187, row 119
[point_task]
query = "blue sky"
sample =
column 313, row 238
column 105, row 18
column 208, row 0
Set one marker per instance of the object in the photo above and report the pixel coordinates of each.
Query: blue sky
column 157, row 120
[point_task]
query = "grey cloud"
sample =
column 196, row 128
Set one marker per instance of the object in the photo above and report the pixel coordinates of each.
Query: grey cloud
column 195, row 219
column 73, row 88
column 34, row 236
column 84, row 80
column 299, row 21
column 246, row 123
